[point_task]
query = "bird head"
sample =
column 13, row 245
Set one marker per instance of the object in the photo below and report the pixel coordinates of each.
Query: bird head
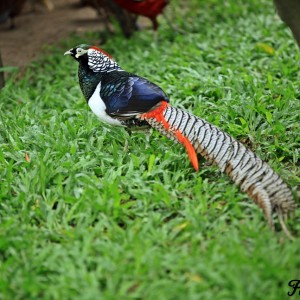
column 93, row 58
column 78, row 52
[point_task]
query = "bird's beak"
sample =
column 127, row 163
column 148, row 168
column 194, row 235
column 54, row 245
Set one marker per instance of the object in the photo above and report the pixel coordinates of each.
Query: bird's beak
column 69, row 52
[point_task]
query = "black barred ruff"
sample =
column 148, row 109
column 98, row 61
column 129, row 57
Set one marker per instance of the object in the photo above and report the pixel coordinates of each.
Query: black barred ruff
column 254, row 176
column 99, row 62
column 93, row 68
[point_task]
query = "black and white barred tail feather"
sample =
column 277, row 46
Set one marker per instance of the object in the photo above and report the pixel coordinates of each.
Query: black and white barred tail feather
column 254, row 176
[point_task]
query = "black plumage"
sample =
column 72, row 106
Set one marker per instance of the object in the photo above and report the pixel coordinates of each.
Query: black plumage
column 126, row 94
column 9, row 9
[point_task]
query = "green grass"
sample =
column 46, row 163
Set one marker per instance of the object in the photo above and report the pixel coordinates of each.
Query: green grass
column 85, row 219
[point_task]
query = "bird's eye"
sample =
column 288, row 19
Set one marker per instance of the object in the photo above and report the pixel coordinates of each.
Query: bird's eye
column 80, row 52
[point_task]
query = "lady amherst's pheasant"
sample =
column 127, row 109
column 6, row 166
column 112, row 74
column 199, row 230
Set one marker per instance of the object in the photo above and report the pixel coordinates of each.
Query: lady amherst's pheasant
column 125, row 99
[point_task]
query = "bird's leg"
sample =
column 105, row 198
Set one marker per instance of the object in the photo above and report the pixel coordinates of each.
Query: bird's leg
column 103, row 13
column 155, row 36
column 148, row 134
column 128, row 130
column 155, row 26
column 123, row 17
column 12, row 23
column 171, row 25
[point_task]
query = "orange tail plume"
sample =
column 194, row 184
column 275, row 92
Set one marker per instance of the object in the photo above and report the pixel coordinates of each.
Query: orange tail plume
column 189, row 148
column 158, row 115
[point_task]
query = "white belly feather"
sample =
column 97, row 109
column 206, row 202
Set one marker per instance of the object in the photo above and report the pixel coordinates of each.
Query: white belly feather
column 98, row 108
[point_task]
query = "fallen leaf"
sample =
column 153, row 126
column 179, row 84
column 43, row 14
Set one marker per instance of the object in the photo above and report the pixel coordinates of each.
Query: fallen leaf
column 265, row 48
column 27, row 158
column 195, row 278
column 180, row 226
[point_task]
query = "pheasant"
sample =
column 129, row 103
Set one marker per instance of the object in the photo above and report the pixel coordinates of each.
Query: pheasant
column 9, row 10
column 13, row 8
column 124, row 99
column 147, row 8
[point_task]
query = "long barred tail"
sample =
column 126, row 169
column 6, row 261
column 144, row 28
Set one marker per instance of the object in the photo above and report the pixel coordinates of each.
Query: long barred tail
column 254, row 176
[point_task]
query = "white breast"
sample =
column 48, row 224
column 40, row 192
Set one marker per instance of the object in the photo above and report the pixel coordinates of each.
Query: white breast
column 98, row 108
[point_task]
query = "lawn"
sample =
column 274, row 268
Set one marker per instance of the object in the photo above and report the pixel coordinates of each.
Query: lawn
column 81, row 217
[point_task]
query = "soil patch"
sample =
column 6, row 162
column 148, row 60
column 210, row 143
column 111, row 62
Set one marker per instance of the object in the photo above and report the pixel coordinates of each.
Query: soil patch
column 36, row 26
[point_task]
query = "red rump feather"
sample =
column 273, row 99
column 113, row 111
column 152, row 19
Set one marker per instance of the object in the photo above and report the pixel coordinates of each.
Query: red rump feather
column 147, row 8
column 100, row 50
column 157, row 114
